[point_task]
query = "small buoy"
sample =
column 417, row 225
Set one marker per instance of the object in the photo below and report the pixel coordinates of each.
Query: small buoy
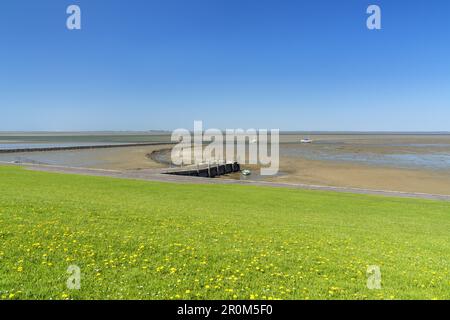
column 246, row 172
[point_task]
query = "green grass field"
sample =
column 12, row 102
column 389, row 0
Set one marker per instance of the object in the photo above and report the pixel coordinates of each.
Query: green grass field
column 145, row 240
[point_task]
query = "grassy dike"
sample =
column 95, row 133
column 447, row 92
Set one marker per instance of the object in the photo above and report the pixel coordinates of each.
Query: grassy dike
column 148, row 240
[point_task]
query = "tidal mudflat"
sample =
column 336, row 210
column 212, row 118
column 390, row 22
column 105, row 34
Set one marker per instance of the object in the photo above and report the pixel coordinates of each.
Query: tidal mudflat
column 397, row 162
column 117, row 158
column 122, row 158
column 412, row 163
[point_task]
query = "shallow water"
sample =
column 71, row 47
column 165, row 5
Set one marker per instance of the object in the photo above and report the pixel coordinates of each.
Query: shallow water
column 69, row 158
column 425, row 156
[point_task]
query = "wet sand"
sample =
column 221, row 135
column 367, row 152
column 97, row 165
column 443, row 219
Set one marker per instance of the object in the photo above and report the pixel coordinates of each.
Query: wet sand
column 405, row 163
column 408, row 163
column 327, row 173
column 126, row 158
column 129, row 158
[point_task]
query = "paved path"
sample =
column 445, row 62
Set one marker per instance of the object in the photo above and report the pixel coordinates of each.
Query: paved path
column 158, row 175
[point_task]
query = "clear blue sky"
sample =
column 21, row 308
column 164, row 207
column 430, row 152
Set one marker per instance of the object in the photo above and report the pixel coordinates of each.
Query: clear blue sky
column 161, row 64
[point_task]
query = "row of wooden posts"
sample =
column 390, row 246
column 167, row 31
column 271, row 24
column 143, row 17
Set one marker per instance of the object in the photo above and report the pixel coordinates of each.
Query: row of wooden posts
column 208, row 170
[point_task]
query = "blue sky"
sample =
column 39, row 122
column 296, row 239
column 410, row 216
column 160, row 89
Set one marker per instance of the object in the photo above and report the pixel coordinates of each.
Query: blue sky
column 161, row 64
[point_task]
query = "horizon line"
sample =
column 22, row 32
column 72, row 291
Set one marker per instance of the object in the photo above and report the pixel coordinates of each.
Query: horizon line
column 163, row 131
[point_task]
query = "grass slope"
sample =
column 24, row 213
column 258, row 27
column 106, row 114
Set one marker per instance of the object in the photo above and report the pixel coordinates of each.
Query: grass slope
column 136, row 239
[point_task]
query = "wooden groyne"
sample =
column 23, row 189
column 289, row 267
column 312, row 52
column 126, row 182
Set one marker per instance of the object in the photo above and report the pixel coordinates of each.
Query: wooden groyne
column 206, row 170
column 104, row 146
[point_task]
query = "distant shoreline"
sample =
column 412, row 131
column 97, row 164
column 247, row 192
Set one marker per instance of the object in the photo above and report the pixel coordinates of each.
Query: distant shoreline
column 166, row 133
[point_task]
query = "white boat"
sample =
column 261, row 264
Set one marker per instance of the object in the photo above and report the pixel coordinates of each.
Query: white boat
column 306, row 140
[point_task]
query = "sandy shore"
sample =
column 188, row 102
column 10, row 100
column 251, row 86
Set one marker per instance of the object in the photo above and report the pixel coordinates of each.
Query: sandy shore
column 296, row 169
column 337, row 174
column 298, row 163
column 126, row 158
